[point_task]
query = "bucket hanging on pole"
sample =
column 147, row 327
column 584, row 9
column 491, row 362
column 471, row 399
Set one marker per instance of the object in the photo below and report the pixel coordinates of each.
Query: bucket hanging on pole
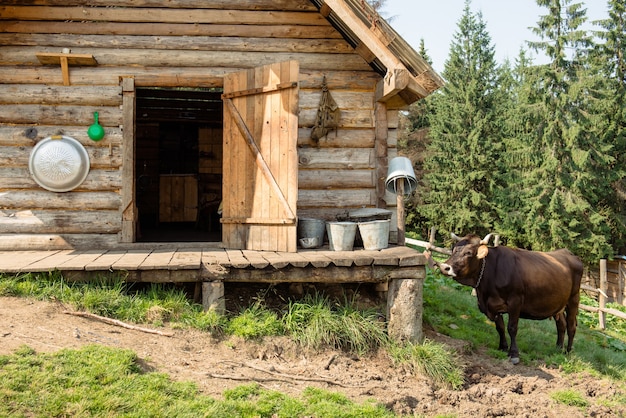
column 400, row 170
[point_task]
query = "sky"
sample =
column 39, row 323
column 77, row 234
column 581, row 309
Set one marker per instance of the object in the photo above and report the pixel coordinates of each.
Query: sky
column 507, row 21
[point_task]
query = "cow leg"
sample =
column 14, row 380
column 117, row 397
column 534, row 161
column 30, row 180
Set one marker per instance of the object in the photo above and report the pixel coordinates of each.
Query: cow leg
column 499, row 320
column 512, row 328
column 572, row 319
column 559, row 319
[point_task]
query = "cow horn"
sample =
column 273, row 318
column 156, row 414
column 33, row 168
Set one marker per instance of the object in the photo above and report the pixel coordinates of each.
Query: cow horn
column 485, row 240
column 454, row 237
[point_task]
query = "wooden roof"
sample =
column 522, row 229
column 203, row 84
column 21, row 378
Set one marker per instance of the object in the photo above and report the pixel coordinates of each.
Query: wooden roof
column 407, row 76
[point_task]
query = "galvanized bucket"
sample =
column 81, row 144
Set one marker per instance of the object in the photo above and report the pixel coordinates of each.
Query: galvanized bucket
column 401, row 170
column 341, row 235
column 311, row 232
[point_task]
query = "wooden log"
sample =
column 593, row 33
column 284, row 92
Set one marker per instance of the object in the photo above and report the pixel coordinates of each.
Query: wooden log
column 350, row 118
column 99, row 157
column 180, row 29
column 336, row 158
column 241, row 42
column 177, row 76
column 97, row 180
column 329, row 179
column 610, row 311
column 428, row 246
column 336, row 198
column 119, row 323
column 289, row 5
column 29, row 135
column 404, row 310
column 341, row 138
column 60, row 115
column 60, row 222
column 60, row 95
column 328, row 274
column 345, row 99
column 17, row 242
column 159, row 58
column 160, row 15
column 41, row 199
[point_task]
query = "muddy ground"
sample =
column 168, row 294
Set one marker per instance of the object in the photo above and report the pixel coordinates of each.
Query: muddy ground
column 493, row 387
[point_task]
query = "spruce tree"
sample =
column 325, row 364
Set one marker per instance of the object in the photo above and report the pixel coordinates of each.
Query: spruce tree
column 563, row 192
column 461, row 166
column 609, row 64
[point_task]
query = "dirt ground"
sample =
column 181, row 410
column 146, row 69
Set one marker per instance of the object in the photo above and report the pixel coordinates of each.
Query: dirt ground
column 493, row 387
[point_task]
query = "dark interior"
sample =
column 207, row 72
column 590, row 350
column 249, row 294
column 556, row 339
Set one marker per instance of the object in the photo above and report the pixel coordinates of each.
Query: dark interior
column 178, row 163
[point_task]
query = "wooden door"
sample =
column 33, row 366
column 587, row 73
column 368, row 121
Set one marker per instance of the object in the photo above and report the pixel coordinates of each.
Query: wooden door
column 260, row 163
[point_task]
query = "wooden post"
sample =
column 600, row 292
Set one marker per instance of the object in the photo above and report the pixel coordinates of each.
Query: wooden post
column 213, row 296
column 401, row 214
column 129, row 207
column 602, row 297
column 620, row 282
column 404, row 310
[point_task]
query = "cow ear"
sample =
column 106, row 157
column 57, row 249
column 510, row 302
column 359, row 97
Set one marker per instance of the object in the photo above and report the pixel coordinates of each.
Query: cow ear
column 482, row 252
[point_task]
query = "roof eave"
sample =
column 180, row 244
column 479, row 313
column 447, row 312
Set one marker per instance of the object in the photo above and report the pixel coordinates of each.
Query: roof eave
column 407, row 77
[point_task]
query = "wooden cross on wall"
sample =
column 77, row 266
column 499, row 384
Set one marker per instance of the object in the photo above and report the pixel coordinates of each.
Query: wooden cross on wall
column 65, row 59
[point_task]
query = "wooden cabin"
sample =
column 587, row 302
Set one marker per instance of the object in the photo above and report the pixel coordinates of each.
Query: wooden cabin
column 206, row 105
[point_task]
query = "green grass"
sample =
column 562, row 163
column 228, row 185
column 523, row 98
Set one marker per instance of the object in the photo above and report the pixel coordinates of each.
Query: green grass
column 315, row 322
column 98, row 381
column 430, row 359
column 570, row 398
column 255, row 322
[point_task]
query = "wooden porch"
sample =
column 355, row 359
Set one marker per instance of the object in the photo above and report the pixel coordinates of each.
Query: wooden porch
column 399, row 270
column 186, row 263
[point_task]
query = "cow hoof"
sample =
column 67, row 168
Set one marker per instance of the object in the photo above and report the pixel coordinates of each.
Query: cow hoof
column 515, row 360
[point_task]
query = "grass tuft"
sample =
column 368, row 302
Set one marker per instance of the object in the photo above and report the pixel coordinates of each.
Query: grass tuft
column 570, row 397
column 255, row 322
column 430, row 359
column 315, row 323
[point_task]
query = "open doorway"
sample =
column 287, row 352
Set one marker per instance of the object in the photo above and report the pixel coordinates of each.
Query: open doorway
column 178, row 164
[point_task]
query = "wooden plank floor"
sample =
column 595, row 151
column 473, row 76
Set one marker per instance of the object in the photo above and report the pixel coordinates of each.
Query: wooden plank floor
column 193, row 259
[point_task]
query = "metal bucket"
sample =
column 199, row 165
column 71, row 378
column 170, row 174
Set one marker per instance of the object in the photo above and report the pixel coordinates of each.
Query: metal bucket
column 341, row 235
column 375, row 234
column 401, row 170
column 311, row 232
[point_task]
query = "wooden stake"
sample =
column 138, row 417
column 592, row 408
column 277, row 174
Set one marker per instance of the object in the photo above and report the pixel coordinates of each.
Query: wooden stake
column 602, row 297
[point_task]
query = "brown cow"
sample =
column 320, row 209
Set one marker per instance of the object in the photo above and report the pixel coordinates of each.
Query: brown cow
column 521, row 283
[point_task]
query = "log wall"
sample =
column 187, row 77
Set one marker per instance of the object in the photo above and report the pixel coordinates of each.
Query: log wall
column 171, row 43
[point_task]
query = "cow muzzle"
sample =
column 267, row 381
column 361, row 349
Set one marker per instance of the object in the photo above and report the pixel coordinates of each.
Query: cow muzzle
column 446, row 269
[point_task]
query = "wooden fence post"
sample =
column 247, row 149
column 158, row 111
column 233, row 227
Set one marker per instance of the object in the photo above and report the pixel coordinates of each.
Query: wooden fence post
column 621, row 274
column 601, row 296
